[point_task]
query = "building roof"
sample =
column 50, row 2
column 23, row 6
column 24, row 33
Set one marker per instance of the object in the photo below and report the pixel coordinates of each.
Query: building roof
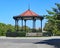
column 28, row 13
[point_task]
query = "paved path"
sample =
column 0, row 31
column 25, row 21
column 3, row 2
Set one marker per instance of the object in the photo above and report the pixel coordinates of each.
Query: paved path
column 25, row 42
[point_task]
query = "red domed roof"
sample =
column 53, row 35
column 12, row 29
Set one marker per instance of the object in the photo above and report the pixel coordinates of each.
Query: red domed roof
column 29, row 13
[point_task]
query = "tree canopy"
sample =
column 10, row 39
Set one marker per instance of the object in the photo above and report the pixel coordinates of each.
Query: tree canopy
column 53, row 17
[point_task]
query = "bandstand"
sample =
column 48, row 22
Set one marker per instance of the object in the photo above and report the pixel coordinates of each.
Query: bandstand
column 27, row 15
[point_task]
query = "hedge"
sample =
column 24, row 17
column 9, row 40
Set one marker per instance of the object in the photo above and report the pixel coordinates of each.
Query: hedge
column 16, row 34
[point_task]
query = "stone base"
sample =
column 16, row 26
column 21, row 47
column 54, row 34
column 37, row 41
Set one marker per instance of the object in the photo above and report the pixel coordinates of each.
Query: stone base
column 34, row 34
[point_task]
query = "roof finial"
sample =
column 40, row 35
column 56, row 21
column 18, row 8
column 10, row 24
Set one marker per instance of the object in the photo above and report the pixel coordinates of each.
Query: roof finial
column 29, row 7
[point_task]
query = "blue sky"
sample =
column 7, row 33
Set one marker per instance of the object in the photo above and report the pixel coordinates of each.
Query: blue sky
column 10, row 8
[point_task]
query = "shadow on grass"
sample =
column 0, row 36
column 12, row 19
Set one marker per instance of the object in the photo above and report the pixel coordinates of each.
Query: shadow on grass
column 54, row 42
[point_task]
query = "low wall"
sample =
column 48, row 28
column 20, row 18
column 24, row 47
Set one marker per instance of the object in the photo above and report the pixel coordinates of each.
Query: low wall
column 34, row 34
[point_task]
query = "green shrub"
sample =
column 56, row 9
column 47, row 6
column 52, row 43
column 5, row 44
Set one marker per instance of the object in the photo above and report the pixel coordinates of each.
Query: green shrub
column 47, row 34
column 11, row 34
column 15, row 34
column 21, row 34
column 58, row 33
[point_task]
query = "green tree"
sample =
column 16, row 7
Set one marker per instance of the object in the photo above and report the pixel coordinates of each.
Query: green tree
column 2, row 28
column 27, row 28
column 5, row 27
column 53, row 23
column 9, row 26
